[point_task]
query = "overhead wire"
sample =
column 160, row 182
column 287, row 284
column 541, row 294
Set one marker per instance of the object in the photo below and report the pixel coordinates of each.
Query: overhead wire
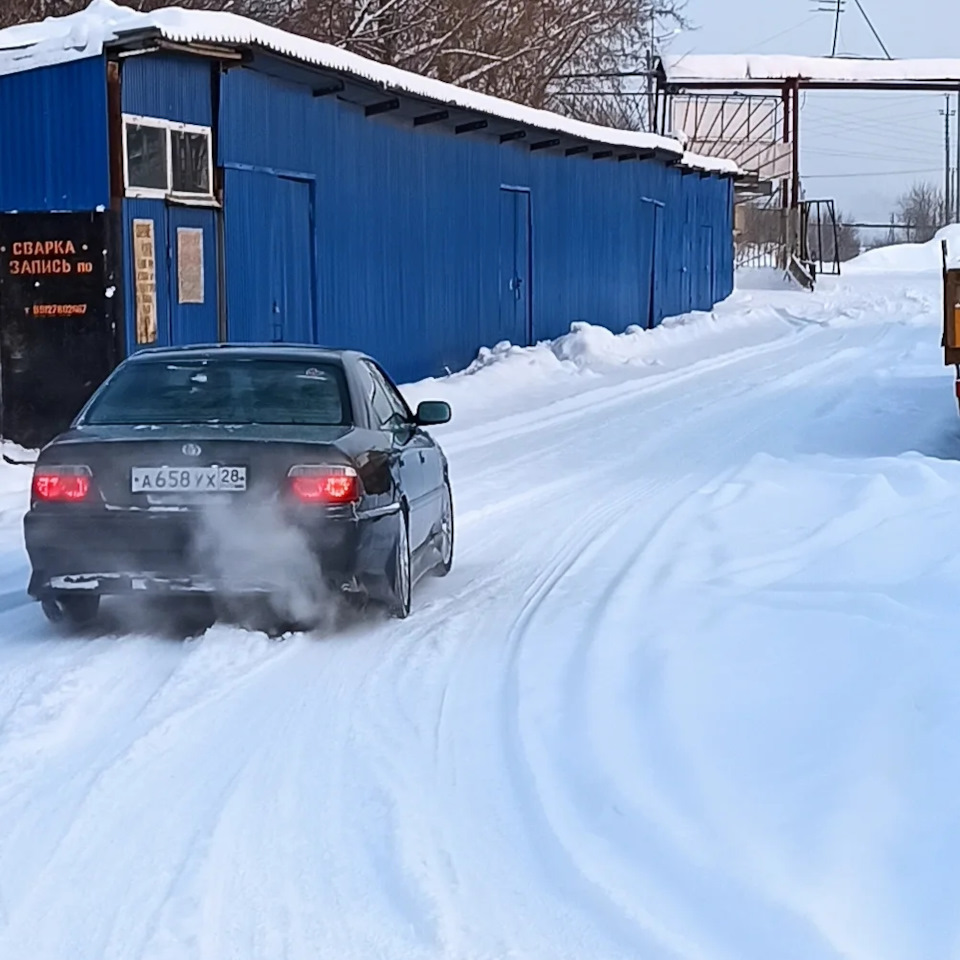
column 871, row 173
column 898, row 140
column 856, row 117
column 890, row 135
column 783, row 33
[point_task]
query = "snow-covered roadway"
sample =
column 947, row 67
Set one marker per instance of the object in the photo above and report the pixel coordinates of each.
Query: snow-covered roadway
column 692, row 689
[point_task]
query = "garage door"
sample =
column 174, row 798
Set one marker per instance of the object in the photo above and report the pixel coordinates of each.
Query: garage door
column 269, row 258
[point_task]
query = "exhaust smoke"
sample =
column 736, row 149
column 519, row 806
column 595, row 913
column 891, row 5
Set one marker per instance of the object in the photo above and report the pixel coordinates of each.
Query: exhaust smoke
column 255, row 550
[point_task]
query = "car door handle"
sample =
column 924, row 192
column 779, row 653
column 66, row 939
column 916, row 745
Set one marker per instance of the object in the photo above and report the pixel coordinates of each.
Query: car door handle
column 423, row 458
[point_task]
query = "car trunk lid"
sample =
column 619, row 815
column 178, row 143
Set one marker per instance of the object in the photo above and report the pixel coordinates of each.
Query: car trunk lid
column 261, row 454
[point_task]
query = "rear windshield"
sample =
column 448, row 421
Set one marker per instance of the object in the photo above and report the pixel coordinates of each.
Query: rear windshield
column 223, row 390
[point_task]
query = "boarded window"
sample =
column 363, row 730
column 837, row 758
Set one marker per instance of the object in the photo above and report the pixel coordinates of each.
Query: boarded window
column 146, row 157
column 190, row 264
column 145, row 281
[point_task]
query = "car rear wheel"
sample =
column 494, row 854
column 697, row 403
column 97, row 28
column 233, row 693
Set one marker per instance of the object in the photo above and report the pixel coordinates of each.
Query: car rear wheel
column 445, row 537
column 400, row 576
column 72, row 611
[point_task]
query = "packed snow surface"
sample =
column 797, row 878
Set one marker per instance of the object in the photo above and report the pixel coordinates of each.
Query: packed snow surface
column 87, row 32
column 690, row 691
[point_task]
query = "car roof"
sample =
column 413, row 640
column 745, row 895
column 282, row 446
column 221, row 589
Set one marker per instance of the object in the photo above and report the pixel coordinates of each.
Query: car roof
column 247, row 351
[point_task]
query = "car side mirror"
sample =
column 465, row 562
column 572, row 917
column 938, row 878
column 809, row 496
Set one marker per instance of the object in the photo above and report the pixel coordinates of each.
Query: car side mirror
column 432, row 412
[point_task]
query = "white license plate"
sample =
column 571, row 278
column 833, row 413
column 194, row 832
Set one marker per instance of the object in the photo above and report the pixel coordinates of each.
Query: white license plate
column 214, row 479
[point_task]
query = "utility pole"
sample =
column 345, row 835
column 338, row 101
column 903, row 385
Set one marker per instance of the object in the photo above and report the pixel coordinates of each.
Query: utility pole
column 956, row 191
column 947, row 113
column 836, row 8
column 651, row 105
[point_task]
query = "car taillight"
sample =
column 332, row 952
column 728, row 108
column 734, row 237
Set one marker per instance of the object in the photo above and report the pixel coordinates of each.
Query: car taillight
column 61, row 484
column 324, row 483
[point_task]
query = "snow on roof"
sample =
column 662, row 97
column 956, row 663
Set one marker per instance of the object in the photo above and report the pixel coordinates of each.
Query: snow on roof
column 87, row 33
column 749, row 68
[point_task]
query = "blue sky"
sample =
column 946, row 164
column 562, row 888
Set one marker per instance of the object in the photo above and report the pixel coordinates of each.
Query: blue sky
column 862, row 150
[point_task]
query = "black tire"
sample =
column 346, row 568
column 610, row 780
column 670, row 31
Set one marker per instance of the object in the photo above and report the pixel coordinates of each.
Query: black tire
column 446, row 540
column 72, row 610
column 401, row 577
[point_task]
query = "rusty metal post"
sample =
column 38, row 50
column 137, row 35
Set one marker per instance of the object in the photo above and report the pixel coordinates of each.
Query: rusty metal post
column 784, row 189
column 795, row 200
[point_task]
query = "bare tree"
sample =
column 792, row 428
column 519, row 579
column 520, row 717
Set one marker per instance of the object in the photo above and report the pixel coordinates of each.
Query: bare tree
column 27, row 11
column 558, row 54
column 849, row 240
column 847, row 244
column 566, row 55
column 923, row 209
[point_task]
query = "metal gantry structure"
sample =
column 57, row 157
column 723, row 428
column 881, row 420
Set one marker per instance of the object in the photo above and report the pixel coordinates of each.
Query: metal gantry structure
column 727, row 80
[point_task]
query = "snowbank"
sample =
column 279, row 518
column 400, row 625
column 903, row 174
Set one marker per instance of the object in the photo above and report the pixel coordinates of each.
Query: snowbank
column 910, row 257
column 761, row 311
column 591, row 357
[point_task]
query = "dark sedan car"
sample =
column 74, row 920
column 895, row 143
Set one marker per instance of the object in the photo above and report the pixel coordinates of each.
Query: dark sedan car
column 203, row 470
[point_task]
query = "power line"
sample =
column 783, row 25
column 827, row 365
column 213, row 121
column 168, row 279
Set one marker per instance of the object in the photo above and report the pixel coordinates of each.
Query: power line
column 917, row 141
column 878, row 130
column 908, row 148
column 855, row 117
column 877, row 137
column 847, row 154
column 782, row 33
column 869, row 173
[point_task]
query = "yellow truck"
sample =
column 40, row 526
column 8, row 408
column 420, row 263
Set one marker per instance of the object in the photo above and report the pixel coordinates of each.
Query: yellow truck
column 951, row 316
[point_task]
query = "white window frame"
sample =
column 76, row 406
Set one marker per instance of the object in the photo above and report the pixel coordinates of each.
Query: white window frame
column 130, row 120
column 190, row 128
column 154, row 193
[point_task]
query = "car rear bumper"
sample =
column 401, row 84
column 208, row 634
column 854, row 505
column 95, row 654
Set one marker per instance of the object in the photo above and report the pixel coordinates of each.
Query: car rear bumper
column 159, row 552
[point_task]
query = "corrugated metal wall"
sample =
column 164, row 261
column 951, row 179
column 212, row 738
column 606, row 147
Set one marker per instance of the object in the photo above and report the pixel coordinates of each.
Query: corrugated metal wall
column 406, row 243
column 408, row 236
column 54, row 144
column 171, row 87
column 181, row 89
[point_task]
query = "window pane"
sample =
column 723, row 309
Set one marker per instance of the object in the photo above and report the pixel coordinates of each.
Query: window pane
column 191, row 162
column 224, row 391
column 388, row 411
column 396, row 401
column 146, row 157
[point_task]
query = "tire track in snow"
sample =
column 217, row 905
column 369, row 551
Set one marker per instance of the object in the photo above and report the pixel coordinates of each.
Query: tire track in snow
column 131, row 726
column 384, row 793
column 579, row 669
column 632, row 494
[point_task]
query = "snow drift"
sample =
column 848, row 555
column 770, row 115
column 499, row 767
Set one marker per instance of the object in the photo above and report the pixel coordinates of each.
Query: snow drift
column 910, row 257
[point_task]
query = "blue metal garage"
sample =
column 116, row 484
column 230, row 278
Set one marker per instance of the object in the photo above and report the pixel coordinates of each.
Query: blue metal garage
column 263, row 187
